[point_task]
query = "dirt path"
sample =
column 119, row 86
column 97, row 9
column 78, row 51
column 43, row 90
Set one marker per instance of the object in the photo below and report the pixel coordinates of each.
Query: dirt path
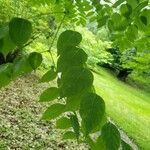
column 20, row 124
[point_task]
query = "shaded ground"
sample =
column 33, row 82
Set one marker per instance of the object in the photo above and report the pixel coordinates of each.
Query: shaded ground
column 20, row 124
column 127, row 106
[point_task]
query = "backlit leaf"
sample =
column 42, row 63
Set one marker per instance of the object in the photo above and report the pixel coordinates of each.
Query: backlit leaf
column 117, row 3
column 69, row 135
column 111, row 136
column 49, row 94
column 63, row 123
column 48, row 76
column 76, row 80
column 4, row 30
column 20, row 30
column 35, row 60
column 53, row 111
column 132, row 33
column 5, row 74
column 125, row 146
column 1, row 44
column 75, row 125
column 73, row 57
column 100, row 144
column 92, row 109
column 144, row 20
column 68, row 38
column 8, row 45
column 21, row 66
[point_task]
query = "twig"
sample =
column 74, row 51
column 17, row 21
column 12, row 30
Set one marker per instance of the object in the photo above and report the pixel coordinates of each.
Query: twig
column 33, row 39
column 45, row 14
column 55, row 36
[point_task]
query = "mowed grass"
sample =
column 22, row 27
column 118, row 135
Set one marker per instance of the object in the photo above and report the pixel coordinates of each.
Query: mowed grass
column 127, row 106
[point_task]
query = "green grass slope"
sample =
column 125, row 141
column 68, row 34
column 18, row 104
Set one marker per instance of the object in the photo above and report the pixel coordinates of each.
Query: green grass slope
column 127, row 106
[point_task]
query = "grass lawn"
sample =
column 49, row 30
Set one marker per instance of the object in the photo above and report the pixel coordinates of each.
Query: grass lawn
column 127, row 106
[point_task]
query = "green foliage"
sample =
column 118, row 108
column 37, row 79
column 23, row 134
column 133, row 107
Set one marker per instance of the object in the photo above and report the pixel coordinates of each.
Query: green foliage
column 7, row 45
column 111, row 136
column 20, row 31
column 53, row 111
column 92, row 109
column 35, row 60
column 21, row 66
column 6, row 42
column 1, row 44
column 69, row 135
column 75, row 125
column 95, row 46
column 49, row 94
column 73, row 102
column 5, row 74
column 140, row 73
column 132, row 33
column 125, row 146
column 76, row 75
column 72, row 57
column 63, row 123
column 49, row 76
column 100, row 143
column 68, row 39
column 13, row 37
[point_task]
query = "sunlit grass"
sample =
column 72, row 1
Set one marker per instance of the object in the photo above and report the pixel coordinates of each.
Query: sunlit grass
column 127, row 106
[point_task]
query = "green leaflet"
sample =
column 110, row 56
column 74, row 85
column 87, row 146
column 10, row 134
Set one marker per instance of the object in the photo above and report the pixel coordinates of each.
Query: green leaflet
column 66, row 39
column 102, row 21
column 49, row 94
column 118, row 22
column 75, row 125
column 117, row 3
column 139, row 7
column 133, row 3
column 21, row 66
column 76, row 80
column 5, row 74
column 92, row 109
column 100, row 145
column 1, row 44
column 20, row 31
column 132, row 33
column 73, row 103
column 92, row 144
column 126, row 10
column 111, row 136
column 72, row 57
column 35, row 60
column 63, row 123
column 144, row 20
column 42, row 2
column 49, row 76
column 4, row 31
column 125, row 146
column 69, row 135
column 8, row 45
column 108, row 1
column 53, row 111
